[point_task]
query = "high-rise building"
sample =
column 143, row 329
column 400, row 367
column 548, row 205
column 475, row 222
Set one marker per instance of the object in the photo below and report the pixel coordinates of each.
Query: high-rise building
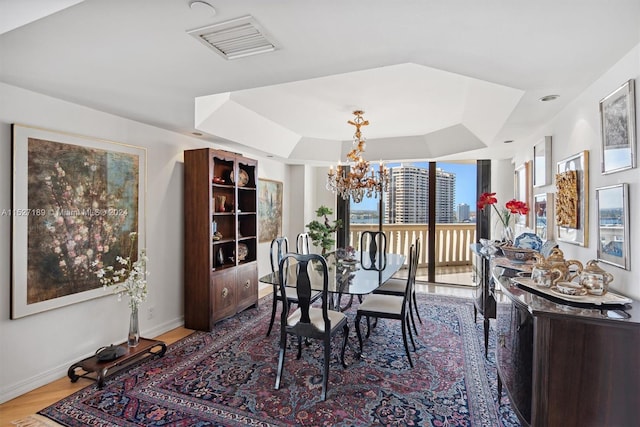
column 464, row 212
column 445, row 196
column 407, row 200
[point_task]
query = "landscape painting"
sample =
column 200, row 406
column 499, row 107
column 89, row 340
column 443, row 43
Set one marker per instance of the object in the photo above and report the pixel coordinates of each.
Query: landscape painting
column 269, row 210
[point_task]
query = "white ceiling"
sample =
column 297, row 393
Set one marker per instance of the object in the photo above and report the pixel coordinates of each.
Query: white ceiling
column 436, row 79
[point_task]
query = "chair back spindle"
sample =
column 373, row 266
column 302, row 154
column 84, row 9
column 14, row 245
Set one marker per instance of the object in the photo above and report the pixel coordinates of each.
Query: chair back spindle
column 302, row 243
column 373, row 250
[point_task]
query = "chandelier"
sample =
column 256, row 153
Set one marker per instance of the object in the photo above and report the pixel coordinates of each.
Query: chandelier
column 360, row 179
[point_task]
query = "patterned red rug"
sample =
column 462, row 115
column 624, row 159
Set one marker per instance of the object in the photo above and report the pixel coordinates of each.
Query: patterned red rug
column 226, row 378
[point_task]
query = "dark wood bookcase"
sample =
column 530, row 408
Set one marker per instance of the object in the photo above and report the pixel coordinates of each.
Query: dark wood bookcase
column 221, row 272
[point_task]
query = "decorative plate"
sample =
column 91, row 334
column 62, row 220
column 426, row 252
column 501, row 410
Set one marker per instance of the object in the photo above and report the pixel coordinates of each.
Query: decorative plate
column 528, row 241
column 243, row 178
column 547, row 247
column 243, row 251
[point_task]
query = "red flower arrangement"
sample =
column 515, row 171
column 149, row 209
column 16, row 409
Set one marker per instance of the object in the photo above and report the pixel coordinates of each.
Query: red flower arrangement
column 513, row 206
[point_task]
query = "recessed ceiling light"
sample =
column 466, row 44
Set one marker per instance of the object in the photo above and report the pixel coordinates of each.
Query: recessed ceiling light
column 549, row 98
column 508, row 141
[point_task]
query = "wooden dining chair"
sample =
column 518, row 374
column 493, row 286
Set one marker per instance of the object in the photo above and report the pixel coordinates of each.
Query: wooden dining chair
column 373, row 250
column 302, row 243
column 381, row 306
column 397, row 286
column 279, row 248
column 306, row 321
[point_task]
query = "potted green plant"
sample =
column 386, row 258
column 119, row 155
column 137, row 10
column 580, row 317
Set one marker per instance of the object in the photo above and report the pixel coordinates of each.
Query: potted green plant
column 321, row 233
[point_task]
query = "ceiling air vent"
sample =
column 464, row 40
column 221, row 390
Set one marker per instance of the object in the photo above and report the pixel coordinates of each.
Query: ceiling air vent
column 235, row 39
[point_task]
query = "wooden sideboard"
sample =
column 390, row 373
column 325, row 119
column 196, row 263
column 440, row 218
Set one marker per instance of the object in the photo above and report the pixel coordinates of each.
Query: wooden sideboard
column 567, row 364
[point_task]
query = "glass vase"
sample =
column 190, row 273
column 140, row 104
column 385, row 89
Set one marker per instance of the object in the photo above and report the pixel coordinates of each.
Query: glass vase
column 134, row 330
column 507, row 233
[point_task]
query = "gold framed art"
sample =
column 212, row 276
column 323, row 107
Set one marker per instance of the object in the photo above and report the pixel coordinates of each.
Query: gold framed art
column 572, row 199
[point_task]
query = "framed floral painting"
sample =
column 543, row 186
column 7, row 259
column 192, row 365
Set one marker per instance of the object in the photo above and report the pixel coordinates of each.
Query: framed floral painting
column 75, row 202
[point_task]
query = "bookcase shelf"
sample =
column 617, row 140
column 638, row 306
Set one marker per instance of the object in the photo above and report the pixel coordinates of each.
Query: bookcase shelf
column 220, row 193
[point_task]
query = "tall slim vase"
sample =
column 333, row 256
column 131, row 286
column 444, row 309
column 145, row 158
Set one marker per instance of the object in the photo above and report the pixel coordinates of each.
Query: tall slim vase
column 134, row 330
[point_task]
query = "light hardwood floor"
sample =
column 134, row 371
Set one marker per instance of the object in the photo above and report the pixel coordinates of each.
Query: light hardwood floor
column 35, row 400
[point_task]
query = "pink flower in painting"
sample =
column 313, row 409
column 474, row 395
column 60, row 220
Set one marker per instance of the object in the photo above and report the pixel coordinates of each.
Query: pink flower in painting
column 78, row 191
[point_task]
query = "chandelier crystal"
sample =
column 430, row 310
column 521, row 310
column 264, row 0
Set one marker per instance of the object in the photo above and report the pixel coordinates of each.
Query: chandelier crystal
column 360, row 179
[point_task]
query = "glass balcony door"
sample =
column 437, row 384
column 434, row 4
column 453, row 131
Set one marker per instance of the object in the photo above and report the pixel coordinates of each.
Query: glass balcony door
column 406, row 215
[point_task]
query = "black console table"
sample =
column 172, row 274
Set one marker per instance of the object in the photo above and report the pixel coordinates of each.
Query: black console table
column 484, row 301
column 98, row 371
column 567, row 364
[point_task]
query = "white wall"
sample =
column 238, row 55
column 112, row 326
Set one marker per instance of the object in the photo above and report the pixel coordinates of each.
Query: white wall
column 39, row 348
column 577, row 128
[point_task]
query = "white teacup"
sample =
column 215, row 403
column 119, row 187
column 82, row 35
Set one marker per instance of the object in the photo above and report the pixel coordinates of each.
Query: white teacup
column 570, row 288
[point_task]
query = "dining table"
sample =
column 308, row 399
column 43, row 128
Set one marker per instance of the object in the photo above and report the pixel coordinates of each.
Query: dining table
column 347, row 275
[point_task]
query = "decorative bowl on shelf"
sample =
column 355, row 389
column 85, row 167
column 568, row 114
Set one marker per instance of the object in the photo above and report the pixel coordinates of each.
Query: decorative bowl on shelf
column 515, row 254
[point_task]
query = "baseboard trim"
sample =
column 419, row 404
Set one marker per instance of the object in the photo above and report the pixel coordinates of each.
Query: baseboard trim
column 12, row 391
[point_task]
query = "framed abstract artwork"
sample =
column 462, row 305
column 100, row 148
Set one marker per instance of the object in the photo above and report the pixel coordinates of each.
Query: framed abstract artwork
column 542, row 162
column 618, row 127
column 76, row 200
column 269, row 210
column 613, row 225
column 572, row 199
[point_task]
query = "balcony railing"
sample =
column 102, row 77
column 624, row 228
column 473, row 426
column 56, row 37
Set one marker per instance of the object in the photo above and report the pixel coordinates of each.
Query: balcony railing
column 452, row 240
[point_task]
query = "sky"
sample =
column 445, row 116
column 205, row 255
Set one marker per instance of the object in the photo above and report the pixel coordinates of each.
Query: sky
column 465, row 184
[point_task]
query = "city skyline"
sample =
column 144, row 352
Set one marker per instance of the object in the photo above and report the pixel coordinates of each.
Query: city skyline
column 464, row 172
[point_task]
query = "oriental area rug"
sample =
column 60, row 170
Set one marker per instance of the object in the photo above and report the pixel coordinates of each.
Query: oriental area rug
column 227, row 377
